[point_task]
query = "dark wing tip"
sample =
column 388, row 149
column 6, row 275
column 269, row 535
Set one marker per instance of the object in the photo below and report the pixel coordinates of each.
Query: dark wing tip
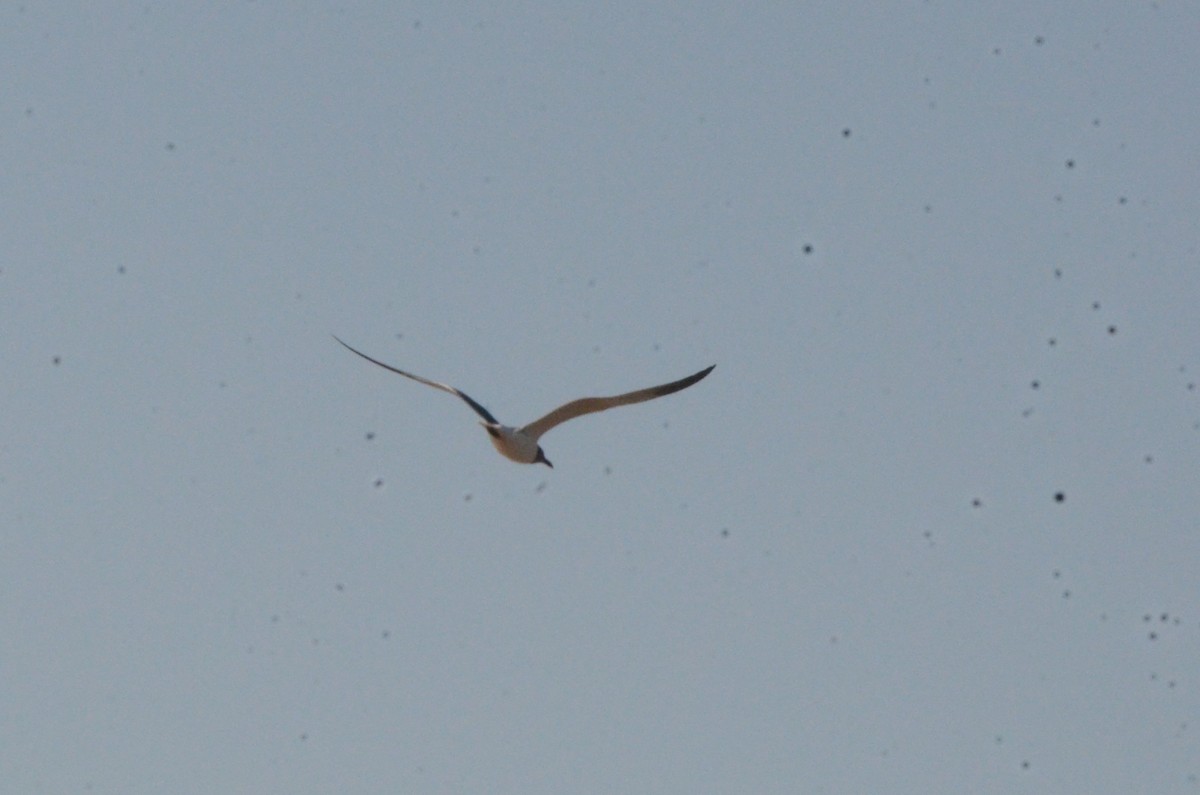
column 691, row 379
column 357, row 352
column 683, row 383
column 346, row 345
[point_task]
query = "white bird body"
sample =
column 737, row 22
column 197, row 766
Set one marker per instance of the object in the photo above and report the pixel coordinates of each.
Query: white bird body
column 521, row 444
column 514, row 445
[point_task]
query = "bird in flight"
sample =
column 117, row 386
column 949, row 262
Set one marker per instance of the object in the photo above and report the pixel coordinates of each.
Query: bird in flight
column 521, row 444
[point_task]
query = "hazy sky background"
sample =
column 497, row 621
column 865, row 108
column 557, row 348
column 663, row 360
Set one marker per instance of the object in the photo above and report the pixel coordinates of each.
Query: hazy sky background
column 932, row 524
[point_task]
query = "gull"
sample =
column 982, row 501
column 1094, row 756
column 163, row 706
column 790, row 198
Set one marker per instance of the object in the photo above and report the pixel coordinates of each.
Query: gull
column 521, row 444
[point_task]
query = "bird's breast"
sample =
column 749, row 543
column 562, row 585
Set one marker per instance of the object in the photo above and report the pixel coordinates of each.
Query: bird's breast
column 512, row 444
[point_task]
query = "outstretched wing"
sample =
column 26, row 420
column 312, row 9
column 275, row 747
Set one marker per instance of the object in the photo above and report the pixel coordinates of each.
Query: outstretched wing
column 480, row 410
column 577, row 408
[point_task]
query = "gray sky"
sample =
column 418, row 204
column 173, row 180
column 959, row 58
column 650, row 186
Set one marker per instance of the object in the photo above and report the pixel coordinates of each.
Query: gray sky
column 945, row 259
